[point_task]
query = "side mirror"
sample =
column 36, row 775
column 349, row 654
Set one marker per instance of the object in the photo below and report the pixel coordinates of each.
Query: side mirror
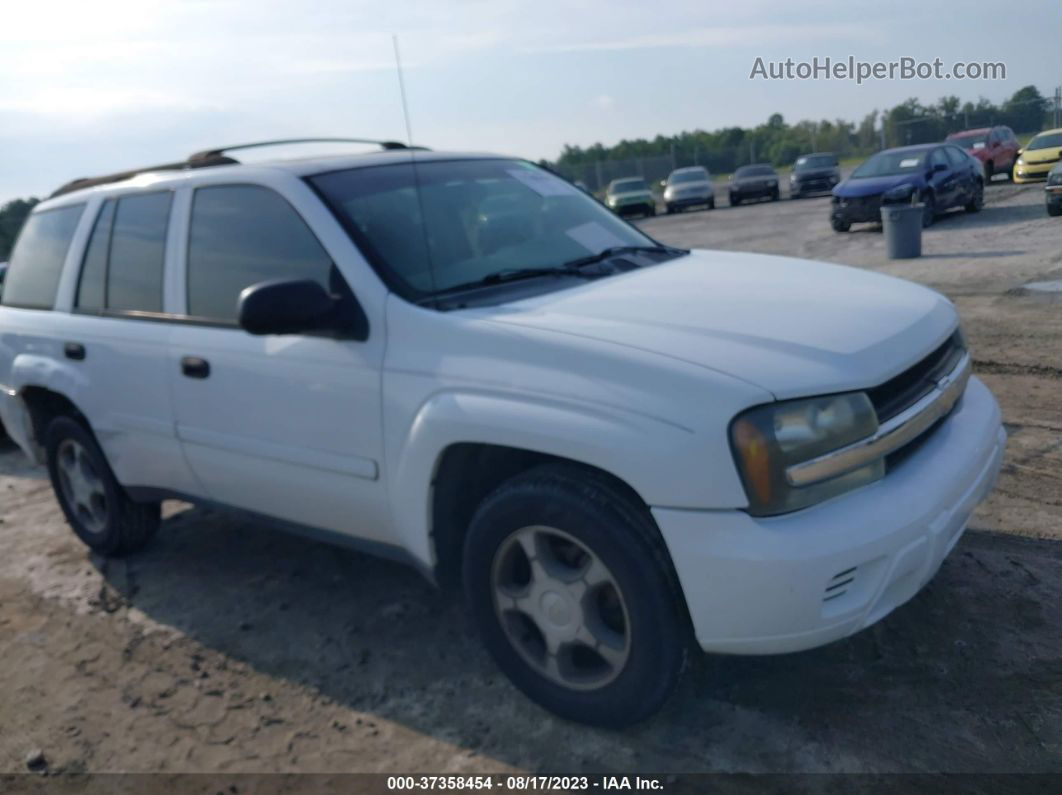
column 1020, row 150
column 285, row 307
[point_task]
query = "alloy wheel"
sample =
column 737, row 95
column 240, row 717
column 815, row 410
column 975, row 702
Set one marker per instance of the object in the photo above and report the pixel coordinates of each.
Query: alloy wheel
column 82, row 487
column 560, row 608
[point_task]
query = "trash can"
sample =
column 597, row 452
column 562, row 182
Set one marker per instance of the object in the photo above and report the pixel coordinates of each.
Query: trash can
column 902, row 225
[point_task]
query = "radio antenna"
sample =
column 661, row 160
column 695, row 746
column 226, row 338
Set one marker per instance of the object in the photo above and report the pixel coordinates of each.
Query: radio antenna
column 402, row 90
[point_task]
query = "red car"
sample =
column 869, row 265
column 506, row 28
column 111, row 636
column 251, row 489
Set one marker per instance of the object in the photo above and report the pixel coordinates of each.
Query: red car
column 996, row 148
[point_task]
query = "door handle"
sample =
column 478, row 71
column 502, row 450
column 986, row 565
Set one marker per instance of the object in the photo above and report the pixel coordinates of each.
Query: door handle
column 74, row 350
column 195, row 367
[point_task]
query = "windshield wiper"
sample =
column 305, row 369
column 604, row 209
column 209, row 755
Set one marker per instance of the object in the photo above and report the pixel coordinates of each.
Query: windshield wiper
column 612, row 251
column 515, row 275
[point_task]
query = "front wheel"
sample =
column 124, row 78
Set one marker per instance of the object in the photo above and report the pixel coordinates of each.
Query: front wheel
column 96, row 506
column 977, row 201
column 929, row 211
column 840, row 225
column 1054, row 210
column 573, row 592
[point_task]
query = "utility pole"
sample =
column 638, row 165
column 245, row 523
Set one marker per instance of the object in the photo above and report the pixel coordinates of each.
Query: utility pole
column 1058, row 106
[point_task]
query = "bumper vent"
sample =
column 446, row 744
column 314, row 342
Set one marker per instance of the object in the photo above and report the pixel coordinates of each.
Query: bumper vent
column 839, row 584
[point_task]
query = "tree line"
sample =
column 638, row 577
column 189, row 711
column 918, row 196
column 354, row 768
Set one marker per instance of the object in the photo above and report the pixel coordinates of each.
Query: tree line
column 780, row 143
column 12, row 215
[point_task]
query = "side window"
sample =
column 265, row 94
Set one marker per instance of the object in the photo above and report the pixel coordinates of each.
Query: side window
column 936, row 157
column 90, row 292
column 137, row 252
column 957, row 158
column 242, row 235
column 37, row 261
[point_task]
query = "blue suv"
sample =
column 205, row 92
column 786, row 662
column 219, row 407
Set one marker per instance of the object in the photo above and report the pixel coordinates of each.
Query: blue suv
column 939, row 176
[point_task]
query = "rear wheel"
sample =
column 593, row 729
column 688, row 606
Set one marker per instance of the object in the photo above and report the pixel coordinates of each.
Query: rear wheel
column 978, row 200
column 1054, row 210
column 96, row 506
column 575, row 597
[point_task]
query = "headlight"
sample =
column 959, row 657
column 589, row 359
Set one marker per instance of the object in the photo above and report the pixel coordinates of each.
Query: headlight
column 1055, row 179
column 900, row 193
column 769, row 439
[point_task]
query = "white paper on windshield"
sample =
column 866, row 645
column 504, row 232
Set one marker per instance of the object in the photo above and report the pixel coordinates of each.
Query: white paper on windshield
column 543, row 184
column 593, row 236
column 910, row 162
column 979, row 145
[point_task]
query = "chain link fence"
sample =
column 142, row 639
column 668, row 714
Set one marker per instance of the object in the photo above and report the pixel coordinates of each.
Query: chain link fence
column 596, row 176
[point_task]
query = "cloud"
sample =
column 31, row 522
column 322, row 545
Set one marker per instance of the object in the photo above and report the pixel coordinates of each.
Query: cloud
column 724, row 36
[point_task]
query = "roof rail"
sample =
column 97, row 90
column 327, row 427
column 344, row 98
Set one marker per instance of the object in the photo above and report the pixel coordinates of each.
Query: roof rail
column 214, row 157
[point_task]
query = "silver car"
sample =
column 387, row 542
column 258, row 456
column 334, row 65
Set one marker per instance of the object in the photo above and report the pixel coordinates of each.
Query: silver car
column 689, row 187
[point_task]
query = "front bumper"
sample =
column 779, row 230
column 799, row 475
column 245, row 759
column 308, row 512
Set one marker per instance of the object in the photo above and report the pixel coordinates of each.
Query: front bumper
column 689, row 201
column 782, row 584
column 864, row 209
column 1032, row 173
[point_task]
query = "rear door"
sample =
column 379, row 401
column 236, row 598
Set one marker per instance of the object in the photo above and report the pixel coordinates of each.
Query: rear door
column 285, row 426
column 116, row 338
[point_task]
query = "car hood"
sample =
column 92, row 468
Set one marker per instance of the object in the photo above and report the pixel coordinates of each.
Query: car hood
column 1038, row 156
column 790, row 326
column 871, row 186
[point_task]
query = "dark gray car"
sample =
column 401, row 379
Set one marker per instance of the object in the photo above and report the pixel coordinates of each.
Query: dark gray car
column 758, row 181
column 814, row 173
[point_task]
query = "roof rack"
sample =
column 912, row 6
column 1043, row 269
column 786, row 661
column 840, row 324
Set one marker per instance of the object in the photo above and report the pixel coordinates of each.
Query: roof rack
column 216, row 157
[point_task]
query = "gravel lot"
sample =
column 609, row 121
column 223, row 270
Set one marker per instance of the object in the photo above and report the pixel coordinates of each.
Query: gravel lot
column 228, row 647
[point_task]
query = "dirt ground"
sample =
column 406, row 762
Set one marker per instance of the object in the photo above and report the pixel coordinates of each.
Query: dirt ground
column 229, row 647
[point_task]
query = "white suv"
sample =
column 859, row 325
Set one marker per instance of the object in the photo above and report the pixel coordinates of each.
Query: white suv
column 462, row 361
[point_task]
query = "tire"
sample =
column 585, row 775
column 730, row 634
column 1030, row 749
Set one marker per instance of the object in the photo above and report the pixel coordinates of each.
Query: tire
column 734, row 200
column 95, row 505
column 929, row 210
column 990, row 171
column 711, row 203
column 978, row 201
column 1054, row 210
column 650, row 212
column 776, row 195
column 576, row 520
column 840, row 225
column 670, row 209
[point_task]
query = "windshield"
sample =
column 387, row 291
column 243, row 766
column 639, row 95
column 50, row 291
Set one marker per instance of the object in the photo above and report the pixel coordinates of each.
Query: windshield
column 885, row 164
column 472, row 218
column 627, row 186
column 754, row 171
column 815, row 161
column 687, row 176
column 976, row 141
column 1045, row 141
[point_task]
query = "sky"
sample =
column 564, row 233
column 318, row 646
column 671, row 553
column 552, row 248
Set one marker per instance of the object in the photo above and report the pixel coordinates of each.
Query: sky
column 93, row 87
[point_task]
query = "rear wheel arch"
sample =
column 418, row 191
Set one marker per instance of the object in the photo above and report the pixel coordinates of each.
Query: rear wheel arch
column 44, row 405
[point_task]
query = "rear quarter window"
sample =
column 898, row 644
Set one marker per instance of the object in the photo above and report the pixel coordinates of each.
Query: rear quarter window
column 37, row 261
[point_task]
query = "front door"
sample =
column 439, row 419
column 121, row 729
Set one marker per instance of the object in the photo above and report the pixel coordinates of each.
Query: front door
column 286, row 426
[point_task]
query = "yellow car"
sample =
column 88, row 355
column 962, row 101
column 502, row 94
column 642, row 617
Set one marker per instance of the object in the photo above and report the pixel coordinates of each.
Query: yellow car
column 1036, row 159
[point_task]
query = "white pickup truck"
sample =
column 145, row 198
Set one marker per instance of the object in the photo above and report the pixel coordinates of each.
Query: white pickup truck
column 618, row 450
